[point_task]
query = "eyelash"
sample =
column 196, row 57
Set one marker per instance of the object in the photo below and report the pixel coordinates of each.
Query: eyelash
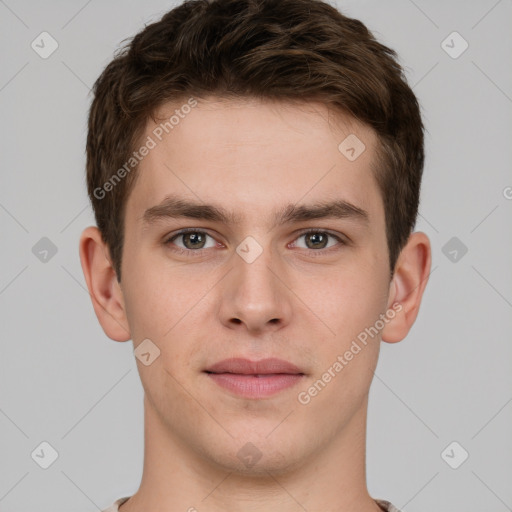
column 199, row 252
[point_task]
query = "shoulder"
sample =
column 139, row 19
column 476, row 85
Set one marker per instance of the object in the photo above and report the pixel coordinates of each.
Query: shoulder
column 115, row 506
column 386, row 506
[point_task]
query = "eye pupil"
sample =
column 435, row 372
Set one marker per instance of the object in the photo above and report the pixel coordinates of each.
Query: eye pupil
column 196, row 238
column 318, row 237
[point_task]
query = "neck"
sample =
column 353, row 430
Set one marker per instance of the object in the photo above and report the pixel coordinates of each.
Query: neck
column 175, row 477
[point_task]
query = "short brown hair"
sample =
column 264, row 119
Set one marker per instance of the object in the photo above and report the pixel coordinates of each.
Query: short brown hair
column 298, row 50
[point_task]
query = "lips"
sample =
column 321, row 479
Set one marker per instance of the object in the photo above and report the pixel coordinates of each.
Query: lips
column 270, row 366
column 254, row 379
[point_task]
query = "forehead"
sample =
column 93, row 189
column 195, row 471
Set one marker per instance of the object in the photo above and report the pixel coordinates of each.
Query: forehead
column 252, row 156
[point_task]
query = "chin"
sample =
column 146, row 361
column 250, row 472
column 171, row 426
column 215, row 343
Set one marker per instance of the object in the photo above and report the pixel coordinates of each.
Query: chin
column 256, row 456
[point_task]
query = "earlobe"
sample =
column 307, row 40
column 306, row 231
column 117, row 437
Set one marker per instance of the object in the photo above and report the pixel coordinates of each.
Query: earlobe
column 409, row 282
column 104, row 290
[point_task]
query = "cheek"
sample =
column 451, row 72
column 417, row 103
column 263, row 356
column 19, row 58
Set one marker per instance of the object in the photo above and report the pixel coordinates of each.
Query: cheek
column 348, row 301
column 163, row 306
column 347, row 356
column 147, row 310
column 159, row 313
column 156, row 295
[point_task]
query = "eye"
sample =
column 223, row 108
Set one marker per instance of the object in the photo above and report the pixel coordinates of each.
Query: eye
column 193, row 240
column 318, row 240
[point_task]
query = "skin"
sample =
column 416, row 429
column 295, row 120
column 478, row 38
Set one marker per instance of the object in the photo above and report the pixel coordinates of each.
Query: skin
column 297, row 301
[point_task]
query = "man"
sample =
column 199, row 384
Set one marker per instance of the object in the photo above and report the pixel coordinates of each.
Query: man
column 255, row 168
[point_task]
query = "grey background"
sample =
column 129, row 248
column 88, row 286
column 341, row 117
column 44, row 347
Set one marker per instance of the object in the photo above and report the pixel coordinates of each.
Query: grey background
column 64, row 382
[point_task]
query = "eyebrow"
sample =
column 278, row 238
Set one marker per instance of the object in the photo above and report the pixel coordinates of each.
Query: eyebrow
column 173, row 207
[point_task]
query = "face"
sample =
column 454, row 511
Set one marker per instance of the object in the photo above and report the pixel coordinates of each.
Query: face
column 273, row 277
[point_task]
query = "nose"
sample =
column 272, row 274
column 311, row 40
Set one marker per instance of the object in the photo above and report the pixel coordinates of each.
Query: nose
column 255, row 295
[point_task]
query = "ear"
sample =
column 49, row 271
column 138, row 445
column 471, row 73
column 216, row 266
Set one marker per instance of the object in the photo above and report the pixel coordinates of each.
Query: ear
column 104, row 289
column 406, row 289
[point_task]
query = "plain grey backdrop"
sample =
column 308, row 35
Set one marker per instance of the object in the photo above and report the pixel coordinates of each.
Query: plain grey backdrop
column 440, row 414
